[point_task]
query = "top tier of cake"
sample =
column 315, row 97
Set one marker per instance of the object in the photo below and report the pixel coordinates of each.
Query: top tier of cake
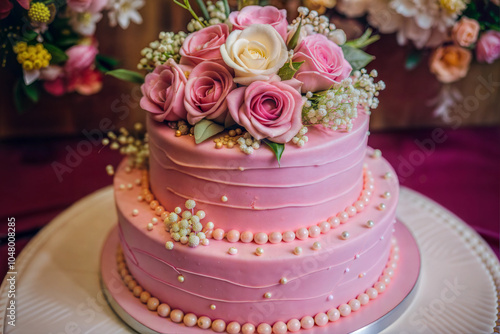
column 253, row 192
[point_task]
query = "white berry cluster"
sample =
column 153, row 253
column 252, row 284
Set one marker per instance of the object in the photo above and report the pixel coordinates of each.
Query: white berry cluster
column 161, row 50
column 337, row 107
column 312, row 23
column 134, row 145
column 217, row 15
column 186, row 227
column 248, row 144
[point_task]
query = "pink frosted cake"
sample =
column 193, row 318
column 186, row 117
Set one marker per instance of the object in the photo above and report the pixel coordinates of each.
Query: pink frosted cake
column 237, row 233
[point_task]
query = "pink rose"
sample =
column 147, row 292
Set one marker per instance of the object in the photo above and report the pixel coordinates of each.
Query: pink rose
column 450, row 63
column 163, row 91
column 92, row 6
column 206, row 91
column 5, row 8
column 324, row 63
column 80, row 57
column 488, row 47
column 270, row 110
column 264, row 15
column 465, row 32
column 204, row 45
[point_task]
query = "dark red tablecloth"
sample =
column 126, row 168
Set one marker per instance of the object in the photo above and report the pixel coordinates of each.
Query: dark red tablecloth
column 459, row 169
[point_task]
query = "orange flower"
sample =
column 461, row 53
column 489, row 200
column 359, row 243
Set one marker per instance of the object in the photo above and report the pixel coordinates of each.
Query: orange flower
column 320, row 5
column 450, row 63
column 465, row 31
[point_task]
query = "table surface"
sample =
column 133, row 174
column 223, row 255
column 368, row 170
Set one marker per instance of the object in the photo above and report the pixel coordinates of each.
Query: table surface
column 459, row 169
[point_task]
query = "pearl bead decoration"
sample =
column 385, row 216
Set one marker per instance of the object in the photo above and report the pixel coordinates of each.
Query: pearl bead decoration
column 259, row 251
column 316, row 246
column 297, row 250
column 267, row 295
column 370, row 224
column 386, row 194
column 233, row 251
column 376, row 154
column 135, row 212
column 180, row 278
column 381, row 206
column 345, row 235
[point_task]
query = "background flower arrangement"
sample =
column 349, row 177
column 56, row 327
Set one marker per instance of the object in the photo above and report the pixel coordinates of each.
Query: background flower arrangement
column 50, row 44
column 250, row 69
column 451, row 32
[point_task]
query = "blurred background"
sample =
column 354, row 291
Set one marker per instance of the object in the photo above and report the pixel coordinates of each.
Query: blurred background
column 51, row 153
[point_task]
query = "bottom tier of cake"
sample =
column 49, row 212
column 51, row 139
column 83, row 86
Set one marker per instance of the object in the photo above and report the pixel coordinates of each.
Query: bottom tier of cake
column 298, row 284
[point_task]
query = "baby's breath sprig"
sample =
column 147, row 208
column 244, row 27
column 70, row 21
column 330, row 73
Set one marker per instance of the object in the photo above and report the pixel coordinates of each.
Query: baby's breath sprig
column 216, row 13
column 313, row 23
column 161, row 50
column 337, row 107
column 135, row 146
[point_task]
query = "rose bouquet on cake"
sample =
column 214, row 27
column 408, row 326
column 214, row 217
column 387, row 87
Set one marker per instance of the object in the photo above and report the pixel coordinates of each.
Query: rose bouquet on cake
column 50, row 45
column 256, row 76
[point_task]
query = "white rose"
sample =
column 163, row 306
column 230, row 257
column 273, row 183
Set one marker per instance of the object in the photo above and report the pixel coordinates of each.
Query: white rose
column 255, row 53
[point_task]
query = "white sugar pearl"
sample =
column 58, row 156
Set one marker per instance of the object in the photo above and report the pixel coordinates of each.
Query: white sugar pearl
column 169, row 245
column 233, row 251
column 135, row 212
column 190, row 204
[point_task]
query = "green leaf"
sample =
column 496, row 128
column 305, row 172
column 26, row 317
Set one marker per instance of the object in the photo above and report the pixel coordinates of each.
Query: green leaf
column 227, row 10
column 29, row 35
column 58, row 55
column 31, row 91
column 21, row 102
column 203, row 9
column 205, row 129
column 295, row 38
column 413, row 60
column 127, row 75
column 365, row 40
column 356, row 57
column 105, row 64
column 68, row 41
column 289, row 69
column 277, row 148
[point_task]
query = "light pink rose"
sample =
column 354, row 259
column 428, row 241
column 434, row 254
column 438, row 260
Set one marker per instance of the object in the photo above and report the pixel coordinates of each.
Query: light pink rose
column 204, row 44
column 163, row 91
column 450, row 63
column 56, row 87
column 324, row 63
column 206, row 90
column 80, row 57
column 271, row 110
column 465, row 31
column 92, row 6
column 488, row 47
column 264, row 15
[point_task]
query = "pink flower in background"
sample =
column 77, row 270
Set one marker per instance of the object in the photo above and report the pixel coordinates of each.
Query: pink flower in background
column 488, row 47
column 204, row 44
column 465, row 31
column 80, row 57
column 450, row 63
column 56, row 87
column 270, row 110
column 324, row 63
column 206, row 90
column 264, row 15
column 92, row 6
column 86, row 82
column 163, row 92
column 5, row 8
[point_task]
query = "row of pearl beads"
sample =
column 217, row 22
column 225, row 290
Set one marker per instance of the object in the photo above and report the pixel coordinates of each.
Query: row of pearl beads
column 280, row 327
column 303, row 233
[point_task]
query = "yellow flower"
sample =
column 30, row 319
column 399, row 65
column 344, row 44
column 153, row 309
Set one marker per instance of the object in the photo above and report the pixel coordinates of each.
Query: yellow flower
column 32, row 56
column 39, row 13
column 453, row 6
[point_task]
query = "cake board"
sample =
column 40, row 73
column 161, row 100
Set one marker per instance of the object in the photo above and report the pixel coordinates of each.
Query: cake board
column 371, row 318
column 58, row 285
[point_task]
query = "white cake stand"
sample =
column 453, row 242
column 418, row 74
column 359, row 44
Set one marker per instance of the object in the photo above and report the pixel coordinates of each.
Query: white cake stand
column 58, row 289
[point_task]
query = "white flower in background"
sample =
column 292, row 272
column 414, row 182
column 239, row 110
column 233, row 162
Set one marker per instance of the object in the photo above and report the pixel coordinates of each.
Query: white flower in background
column 424, row 22
column 84, row 23
column 446, row 102
column 121, row 12
column 353, row 8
